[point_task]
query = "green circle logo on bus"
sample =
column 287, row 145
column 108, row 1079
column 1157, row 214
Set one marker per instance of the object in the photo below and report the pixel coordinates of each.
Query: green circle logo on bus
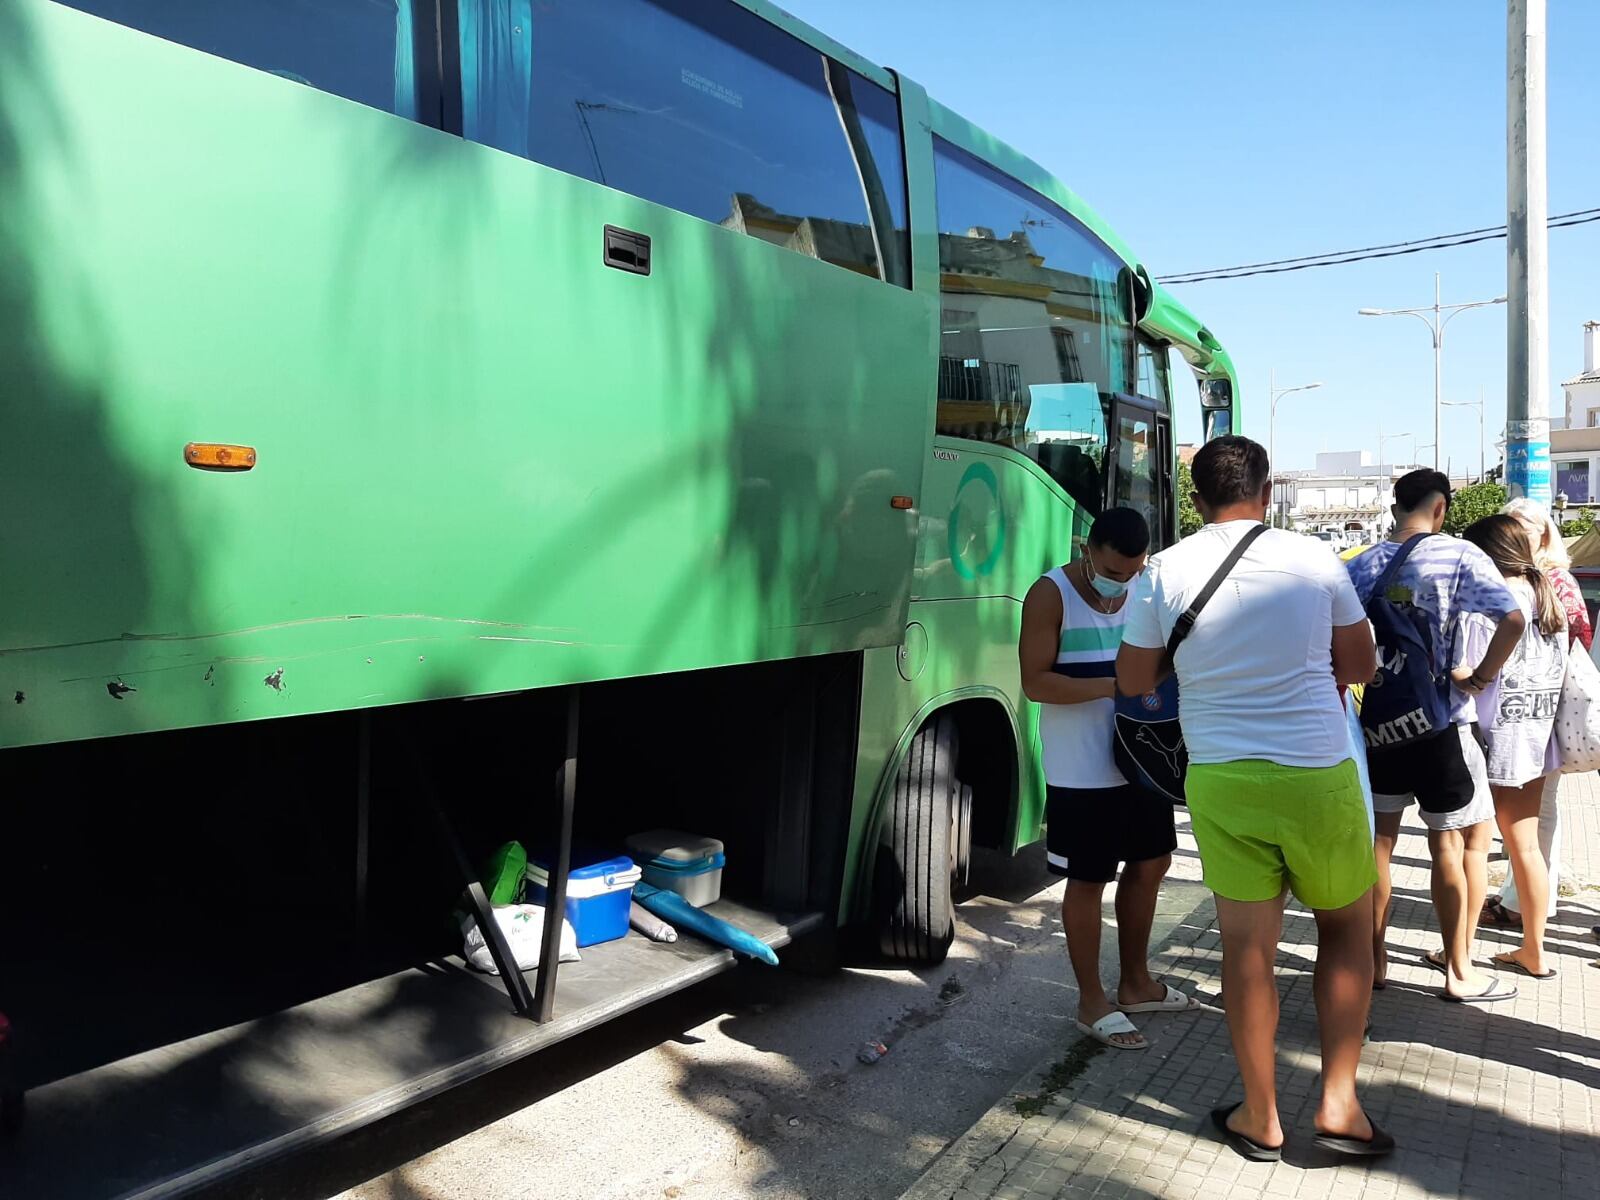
column 978, row 499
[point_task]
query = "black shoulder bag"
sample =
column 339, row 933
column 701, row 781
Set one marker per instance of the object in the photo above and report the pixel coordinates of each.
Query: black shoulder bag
column 1148, row 740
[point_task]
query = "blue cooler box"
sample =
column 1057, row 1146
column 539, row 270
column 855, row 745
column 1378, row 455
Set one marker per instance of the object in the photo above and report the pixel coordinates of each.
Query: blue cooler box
column 598, row 894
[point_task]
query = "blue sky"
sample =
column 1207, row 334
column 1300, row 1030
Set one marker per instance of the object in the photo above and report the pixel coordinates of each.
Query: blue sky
column 1224, row 133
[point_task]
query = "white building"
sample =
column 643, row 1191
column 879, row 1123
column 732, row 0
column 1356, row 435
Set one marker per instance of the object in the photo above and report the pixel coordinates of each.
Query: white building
column 1348, row 491
column 1575, row 450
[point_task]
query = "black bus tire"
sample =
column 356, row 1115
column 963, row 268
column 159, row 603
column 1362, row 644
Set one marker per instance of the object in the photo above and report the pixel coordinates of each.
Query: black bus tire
column 918, row 854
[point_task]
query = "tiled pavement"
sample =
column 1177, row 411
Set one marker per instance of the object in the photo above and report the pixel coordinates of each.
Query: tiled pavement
column 1493, row 1102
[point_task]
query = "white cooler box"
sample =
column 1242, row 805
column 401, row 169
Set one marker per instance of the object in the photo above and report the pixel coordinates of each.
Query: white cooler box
column 680, row 862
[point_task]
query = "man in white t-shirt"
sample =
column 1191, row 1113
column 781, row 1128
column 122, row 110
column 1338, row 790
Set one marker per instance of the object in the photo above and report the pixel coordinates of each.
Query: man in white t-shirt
column 1274, row 797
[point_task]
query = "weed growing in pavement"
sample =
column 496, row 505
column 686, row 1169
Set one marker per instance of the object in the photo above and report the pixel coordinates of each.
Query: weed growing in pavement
column 1071, row 1065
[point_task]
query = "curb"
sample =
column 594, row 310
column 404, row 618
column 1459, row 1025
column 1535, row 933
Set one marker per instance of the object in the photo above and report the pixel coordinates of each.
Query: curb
column 947, row 1176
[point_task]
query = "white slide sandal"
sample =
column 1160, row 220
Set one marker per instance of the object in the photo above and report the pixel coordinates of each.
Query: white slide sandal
column 1173, row 1001
column 1111, row 1024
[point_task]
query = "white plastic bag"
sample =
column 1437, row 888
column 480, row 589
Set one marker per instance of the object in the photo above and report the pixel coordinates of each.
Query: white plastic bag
column 523, row 927
column 1578, row 715
column 1358, row 751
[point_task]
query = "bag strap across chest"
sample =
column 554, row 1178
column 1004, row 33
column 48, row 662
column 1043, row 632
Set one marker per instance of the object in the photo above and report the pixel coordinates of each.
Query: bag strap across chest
column 1185, row 623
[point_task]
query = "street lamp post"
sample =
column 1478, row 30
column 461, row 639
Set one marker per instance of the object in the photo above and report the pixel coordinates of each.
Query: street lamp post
column 1389, row 437
column 1382, row 438
column 1441, row 316
column 1272, row 430
column 1477, row 404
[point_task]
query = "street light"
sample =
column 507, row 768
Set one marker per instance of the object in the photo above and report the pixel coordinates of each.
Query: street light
column 1435, row 324
column 1389, row 437
column 1272, row 429
column 1477, row 404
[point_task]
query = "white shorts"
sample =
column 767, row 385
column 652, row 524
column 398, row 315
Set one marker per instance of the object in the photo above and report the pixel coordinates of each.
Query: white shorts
column 1479, row 809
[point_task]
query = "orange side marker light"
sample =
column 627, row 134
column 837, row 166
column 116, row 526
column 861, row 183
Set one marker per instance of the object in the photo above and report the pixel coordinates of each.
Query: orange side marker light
column 901, row 502
column 219, row 456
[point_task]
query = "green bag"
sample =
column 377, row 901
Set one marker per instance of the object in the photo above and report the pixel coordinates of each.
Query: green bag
column 505, row 874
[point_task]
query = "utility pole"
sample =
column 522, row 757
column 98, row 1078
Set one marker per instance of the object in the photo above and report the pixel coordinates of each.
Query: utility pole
column 1527, row 246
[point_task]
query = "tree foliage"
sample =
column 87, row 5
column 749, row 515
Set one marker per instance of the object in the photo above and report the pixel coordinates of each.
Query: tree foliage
column 1188, row 516
column 1579, row 523
column 1473, row 503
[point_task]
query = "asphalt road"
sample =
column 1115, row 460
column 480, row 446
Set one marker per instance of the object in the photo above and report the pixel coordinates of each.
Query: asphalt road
column 750, row 1084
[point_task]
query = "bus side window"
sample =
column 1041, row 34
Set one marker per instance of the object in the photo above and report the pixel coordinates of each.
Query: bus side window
column 699, row 105
column 1035, row 338
column 359, row 49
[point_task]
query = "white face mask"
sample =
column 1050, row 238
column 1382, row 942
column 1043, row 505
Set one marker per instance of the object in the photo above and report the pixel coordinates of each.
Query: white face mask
column 1111, row 589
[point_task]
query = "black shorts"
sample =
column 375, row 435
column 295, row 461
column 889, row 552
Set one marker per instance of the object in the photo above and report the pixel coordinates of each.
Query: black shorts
column 1434, row 770
column 1090, row 831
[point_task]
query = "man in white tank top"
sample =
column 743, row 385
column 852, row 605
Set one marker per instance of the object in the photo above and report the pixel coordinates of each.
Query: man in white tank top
column 1095, row 819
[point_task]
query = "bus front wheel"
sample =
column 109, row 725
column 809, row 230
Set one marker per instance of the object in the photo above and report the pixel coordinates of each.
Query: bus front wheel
column 924, row 849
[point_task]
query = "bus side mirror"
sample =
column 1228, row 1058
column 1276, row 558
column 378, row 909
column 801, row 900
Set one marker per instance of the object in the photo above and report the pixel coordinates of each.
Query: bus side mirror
column 1216, row 402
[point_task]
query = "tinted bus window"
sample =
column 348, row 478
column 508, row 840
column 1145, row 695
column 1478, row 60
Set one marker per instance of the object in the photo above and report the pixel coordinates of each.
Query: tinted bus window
column 1035, row 338
column 1153, row 377
column 699, row 105
column 358, row 49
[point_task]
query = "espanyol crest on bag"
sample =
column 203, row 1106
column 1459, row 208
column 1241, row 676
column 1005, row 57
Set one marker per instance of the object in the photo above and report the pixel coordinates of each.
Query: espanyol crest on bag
column 1148, row 741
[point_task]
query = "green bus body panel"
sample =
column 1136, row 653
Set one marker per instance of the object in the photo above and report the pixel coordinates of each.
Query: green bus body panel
column 486, row 461
column 992, row 523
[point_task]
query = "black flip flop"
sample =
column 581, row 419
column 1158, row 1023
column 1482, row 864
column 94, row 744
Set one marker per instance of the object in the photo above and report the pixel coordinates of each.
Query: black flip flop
column 1517, row 966
column 1499, row 915
column 1493, row 995
column 1245, row 1147
column 1428, row 959
column 1379, row 1144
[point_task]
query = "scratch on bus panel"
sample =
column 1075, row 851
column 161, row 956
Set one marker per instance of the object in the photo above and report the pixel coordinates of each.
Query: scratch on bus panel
column 527, row 641
column 198, row 637
column 255, row 660
column 839, row 620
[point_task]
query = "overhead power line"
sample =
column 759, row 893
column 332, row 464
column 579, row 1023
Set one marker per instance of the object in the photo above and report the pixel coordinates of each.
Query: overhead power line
column 1337, row 258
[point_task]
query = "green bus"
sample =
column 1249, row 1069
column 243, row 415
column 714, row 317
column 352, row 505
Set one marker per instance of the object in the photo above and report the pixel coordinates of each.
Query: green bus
column 408, row 404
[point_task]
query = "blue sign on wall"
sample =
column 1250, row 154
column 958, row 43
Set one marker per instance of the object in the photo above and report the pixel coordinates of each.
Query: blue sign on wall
column 1528, row 469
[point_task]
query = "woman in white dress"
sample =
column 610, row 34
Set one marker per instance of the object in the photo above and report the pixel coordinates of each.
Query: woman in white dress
column 1517, row 717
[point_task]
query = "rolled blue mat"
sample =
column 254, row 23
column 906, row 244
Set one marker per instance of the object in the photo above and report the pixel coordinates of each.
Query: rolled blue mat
column 672, row 907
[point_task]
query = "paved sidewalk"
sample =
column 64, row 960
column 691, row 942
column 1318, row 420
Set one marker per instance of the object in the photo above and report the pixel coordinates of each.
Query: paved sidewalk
column 1487, row 1103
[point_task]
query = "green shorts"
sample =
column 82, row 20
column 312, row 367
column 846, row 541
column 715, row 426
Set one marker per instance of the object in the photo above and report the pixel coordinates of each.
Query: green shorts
column 1261, row 825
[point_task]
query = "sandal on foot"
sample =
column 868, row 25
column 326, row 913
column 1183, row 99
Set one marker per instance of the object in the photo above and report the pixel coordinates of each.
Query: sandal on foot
column 1242, row 1144
column 1505, row 960
column 1110, row 1025
column 1436, row 960
column 1494, row 992
column 1379, row 1144
column 1173, row 1001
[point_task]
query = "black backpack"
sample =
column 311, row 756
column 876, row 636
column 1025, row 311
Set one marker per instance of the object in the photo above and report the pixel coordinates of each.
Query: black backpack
column 1408, row 699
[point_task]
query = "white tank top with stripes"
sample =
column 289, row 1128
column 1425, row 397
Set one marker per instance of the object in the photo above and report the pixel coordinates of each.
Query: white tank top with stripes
column 1076, row 738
